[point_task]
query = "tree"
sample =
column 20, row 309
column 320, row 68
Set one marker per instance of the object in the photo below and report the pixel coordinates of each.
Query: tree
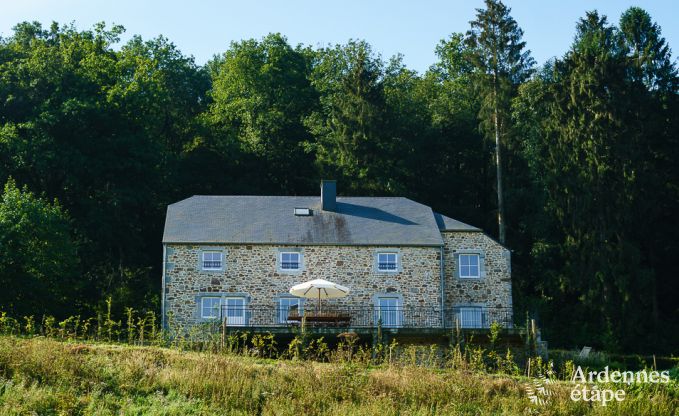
column 649, row 55
column 99, row 130
column 38, row 257
column 260, row 95
column 593, row 152
column 654, row 84
column 502, row 63
column 350, row 138
column 581, row 156
column 454, row 163
column 160, row 90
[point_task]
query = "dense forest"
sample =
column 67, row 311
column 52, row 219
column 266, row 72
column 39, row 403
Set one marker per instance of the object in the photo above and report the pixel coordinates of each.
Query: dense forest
column 572, row 164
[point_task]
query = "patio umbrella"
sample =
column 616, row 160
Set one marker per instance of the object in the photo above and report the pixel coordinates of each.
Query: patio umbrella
column 320, row 289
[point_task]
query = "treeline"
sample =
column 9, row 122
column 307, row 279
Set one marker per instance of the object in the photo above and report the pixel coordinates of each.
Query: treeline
column 97, row 138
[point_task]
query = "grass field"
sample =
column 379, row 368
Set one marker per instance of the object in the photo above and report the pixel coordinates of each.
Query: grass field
column 44, row 376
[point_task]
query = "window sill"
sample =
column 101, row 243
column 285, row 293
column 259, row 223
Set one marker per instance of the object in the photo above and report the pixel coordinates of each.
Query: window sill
column 289, row 271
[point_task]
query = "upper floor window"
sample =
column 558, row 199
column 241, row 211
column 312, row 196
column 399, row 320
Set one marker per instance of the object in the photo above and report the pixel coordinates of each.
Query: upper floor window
column 212, row 260
column 469, row 266
column 290, row 261
column 387, row 262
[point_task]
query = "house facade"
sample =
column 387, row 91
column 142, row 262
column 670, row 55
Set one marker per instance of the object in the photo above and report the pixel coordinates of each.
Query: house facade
column 235, row 258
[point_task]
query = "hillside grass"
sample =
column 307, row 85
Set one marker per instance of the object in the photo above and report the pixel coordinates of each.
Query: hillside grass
column 44, row 376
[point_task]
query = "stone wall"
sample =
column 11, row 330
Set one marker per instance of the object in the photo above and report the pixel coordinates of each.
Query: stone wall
column 252, row 270
column 494, row 288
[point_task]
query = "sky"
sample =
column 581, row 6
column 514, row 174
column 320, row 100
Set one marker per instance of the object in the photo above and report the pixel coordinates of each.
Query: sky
column 205, row 28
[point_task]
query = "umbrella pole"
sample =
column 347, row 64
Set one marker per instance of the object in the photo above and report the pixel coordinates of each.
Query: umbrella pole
column 319, row 300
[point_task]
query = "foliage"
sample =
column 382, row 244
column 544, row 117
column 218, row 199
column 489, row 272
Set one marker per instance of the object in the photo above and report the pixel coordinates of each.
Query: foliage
column 260, row 94
column 232, row 372
column 98, row 130
column 596, row 141
column 115, row 132
column 350, row 126
column 38, row 259
column 501, row 62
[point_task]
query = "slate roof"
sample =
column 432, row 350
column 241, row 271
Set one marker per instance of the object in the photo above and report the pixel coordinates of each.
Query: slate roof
column 449, row 224
column 271, row 220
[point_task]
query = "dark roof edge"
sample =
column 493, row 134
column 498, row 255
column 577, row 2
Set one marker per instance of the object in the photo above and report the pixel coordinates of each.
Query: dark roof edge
column 293, row 196
column 232, row 243
column 446, row 223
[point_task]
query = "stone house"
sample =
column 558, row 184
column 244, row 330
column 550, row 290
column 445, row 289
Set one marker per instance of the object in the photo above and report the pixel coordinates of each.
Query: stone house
column 236, row 257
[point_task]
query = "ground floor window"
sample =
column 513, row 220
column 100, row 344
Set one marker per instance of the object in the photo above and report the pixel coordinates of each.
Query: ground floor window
column 287, row 307
column 232, row 309
column 471, row 317
column 210, row 307
column 389, row 311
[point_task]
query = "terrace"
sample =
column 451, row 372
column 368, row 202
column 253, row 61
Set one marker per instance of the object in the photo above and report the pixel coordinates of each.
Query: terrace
column 335, row 319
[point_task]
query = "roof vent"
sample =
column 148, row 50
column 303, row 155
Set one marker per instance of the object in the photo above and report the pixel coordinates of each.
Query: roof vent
column 303, row 212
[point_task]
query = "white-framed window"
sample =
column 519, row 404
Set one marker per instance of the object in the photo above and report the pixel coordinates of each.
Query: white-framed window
column 469, row 265
column 290, row 260
column 287, row 305
column 212, row 260
column 389, row 311
column 387, row 262
column 210, row 307
column 471, row 317
column 234, row 311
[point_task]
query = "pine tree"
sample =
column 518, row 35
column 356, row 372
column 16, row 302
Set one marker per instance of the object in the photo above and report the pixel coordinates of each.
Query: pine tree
column 350, row 135
column 602, row 152
column 650, row 56
column 498, row 53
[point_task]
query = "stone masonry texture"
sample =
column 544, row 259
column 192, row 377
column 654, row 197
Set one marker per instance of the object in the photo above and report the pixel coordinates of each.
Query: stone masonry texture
column 494, row 290
column 252, row 270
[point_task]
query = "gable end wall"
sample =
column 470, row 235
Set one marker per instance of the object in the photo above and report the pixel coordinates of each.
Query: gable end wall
column 494, row 289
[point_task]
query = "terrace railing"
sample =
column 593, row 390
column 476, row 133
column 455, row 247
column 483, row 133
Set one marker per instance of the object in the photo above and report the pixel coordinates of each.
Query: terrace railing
column 366, row 317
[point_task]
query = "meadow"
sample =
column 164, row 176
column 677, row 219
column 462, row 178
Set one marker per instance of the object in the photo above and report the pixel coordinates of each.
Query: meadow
column 50, row 376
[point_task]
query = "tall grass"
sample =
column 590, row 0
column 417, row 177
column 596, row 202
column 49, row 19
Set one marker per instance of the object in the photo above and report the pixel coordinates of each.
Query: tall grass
column 46, row 376
column 131, row 366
